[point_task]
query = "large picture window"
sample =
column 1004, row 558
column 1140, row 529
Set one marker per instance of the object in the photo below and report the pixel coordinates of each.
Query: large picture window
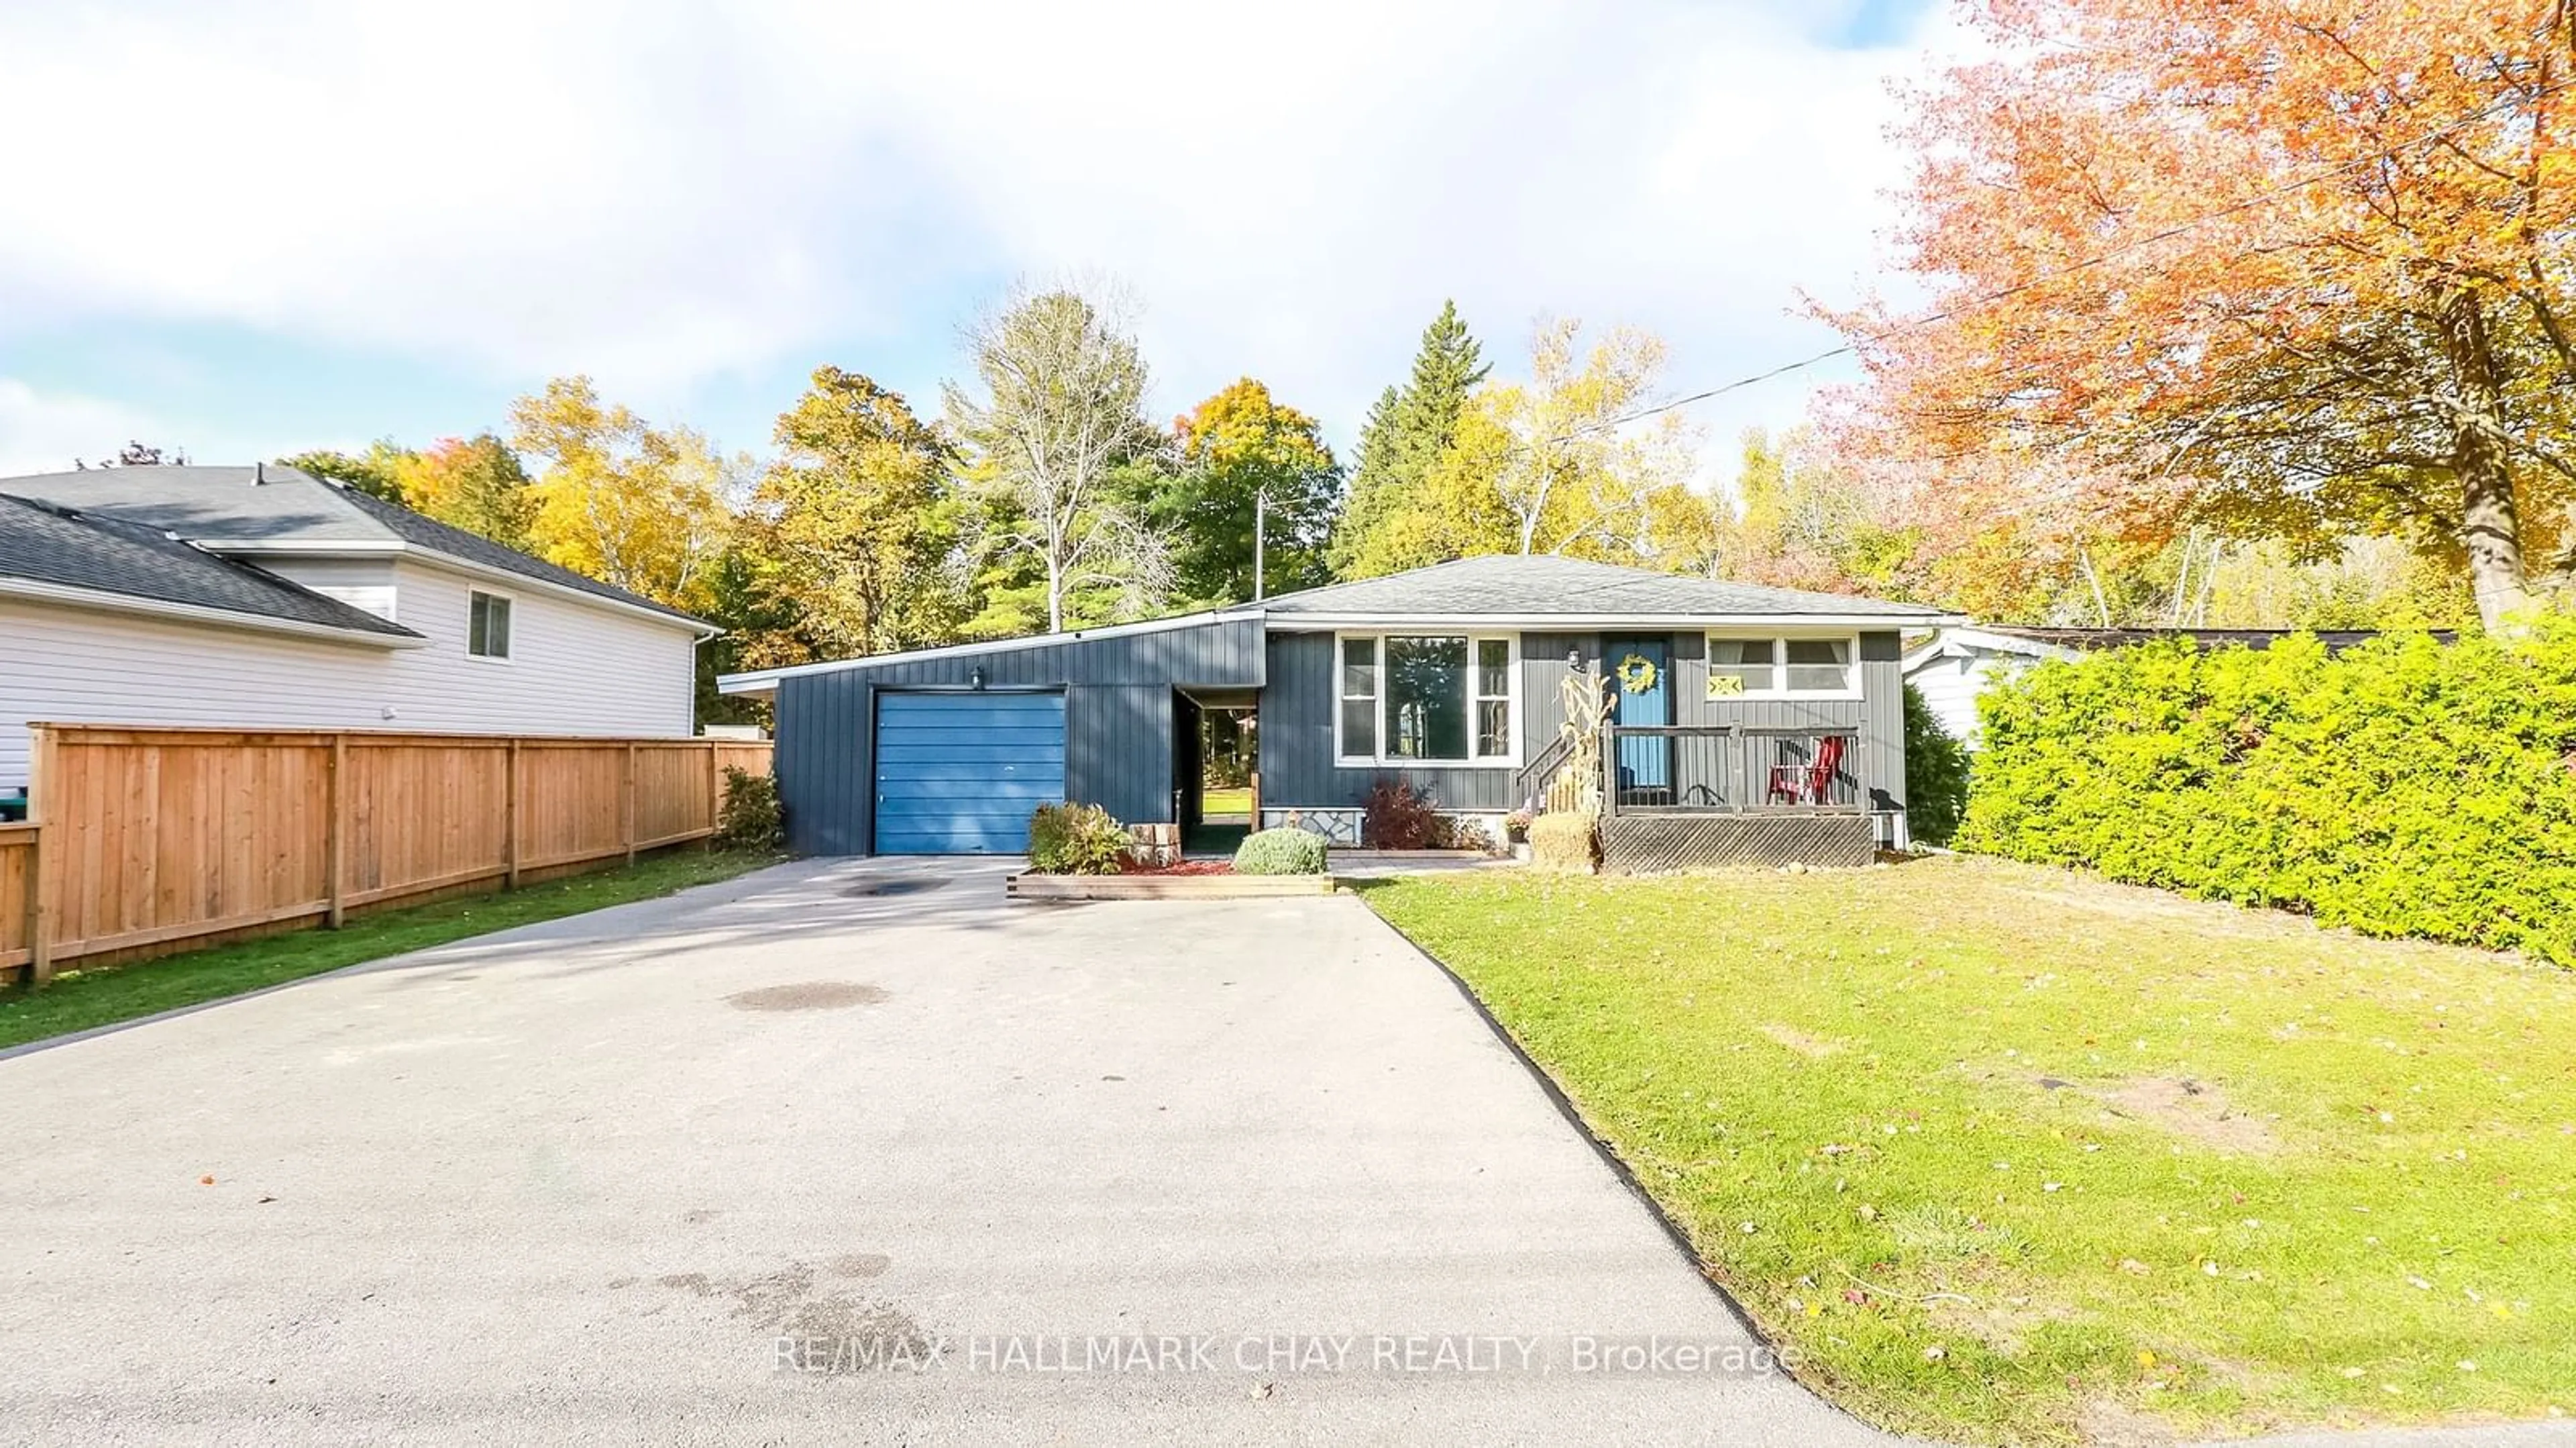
column 1425, row 698
column 1738, row 667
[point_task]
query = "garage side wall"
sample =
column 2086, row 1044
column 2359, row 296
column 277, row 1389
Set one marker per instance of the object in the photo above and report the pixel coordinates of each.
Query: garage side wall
column 1118, row 720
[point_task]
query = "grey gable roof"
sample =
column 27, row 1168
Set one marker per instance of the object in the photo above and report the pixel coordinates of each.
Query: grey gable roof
column 1535, row 589
column 1540, row 586
column 247, row 507
column 45, row 544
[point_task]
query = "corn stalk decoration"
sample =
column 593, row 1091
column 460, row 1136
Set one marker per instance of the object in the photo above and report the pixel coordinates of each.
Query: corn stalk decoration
column 1577, row 785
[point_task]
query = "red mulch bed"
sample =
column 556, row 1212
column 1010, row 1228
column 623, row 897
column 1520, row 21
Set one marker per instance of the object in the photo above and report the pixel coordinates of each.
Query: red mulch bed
column 1185, row 867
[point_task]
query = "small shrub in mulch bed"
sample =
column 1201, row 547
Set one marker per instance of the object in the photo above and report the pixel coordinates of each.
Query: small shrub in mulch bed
column 1280, row 852
column 1398, row 817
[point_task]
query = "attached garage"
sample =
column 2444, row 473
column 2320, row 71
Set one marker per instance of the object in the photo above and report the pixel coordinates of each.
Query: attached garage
column 950, row 750
column 959, row 773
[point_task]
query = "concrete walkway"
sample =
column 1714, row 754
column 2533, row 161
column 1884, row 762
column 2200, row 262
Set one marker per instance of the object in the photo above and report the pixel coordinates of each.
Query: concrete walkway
column 851, row 1152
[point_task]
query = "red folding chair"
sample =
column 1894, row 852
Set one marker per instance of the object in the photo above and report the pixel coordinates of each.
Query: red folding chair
column 1812, row 782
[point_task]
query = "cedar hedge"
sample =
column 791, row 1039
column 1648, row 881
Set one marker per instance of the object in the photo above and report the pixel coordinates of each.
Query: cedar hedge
column 2403, row 787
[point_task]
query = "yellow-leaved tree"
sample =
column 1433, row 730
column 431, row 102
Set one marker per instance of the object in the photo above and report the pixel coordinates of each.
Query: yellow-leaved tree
column 1555, row 465
column 476, row 484
column 647, row 509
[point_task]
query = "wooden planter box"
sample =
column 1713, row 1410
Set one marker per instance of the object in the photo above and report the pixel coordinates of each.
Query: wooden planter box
column 1031, row 886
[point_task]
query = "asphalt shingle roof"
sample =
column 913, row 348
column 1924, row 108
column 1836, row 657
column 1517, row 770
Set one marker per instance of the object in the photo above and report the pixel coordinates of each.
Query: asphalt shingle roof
column 1517, row 586
column 47, row 544
column 276, row 504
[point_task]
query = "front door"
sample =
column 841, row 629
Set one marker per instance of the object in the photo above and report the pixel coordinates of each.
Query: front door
column 1640, row 668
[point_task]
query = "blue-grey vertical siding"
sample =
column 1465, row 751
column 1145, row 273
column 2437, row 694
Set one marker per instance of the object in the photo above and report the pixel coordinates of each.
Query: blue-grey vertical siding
column 1118, row 750
column 1118, row 720
column 1297, row 768
column 1543, row 670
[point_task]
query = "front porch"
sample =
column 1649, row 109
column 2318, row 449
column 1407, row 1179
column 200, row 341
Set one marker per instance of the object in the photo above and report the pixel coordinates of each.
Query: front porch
column 1691, row 796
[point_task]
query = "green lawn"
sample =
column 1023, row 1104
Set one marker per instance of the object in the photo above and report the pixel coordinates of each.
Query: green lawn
column 78, row 1000
column 1226, row 802
column 2014, row 1156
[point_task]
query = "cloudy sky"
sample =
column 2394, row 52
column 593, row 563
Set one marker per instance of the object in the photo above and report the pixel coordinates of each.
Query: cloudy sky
column 252, row 228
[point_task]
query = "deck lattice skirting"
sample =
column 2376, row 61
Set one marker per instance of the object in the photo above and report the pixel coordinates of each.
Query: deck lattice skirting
column 1638, row 843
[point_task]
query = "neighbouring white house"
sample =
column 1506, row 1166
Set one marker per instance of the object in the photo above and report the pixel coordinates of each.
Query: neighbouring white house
column 1952, row 667
column 266, row 597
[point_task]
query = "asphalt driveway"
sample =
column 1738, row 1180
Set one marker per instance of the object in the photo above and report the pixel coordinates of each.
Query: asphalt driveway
column 787, row 1158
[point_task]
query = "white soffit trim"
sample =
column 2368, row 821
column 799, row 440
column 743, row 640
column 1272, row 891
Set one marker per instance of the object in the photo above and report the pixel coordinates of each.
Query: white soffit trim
column 196, row 613
column 1958, row 640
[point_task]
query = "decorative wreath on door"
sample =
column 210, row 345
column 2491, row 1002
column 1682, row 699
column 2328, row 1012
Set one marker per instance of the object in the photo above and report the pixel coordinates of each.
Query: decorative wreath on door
column 1637, row 674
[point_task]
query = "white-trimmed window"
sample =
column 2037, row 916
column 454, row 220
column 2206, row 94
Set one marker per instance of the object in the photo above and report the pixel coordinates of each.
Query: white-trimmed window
column 1359, row 699
column 487, row 625
column 1426, row 699
column 1772, row 667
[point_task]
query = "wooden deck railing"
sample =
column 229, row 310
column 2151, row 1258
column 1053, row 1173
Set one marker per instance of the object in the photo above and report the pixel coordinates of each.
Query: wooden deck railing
column 1709, row 768
column 144, row 841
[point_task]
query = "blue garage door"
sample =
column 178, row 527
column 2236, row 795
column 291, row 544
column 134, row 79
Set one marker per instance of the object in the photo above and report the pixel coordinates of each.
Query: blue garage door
column 958, row 774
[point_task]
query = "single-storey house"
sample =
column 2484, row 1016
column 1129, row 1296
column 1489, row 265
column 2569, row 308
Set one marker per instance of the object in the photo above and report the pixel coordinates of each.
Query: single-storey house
column 265, row 597
column 1952, row 667
column 1730, row 699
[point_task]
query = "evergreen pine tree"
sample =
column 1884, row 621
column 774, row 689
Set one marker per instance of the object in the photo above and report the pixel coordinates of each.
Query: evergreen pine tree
column 1406, row 432
column 1447, row 368
column 1362, row 510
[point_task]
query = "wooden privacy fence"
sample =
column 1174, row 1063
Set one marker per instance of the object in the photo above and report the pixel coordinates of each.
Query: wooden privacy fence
column 142, row 841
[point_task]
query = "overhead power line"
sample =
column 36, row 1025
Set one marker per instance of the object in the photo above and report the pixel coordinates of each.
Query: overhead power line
column 2235, row 208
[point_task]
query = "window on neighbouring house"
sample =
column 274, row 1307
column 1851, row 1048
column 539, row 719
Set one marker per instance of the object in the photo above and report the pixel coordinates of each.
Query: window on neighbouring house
column 1427, row 697
column 487, row 626
column 1740, row 666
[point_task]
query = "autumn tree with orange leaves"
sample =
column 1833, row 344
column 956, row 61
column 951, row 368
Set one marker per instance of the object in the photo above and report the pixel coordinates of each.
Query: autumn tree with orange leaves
column 2298, row 269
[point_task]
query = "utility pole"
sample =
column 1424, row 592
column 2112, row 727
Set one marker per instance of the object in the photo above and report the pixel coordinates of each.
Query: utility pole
column 1260, row 540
